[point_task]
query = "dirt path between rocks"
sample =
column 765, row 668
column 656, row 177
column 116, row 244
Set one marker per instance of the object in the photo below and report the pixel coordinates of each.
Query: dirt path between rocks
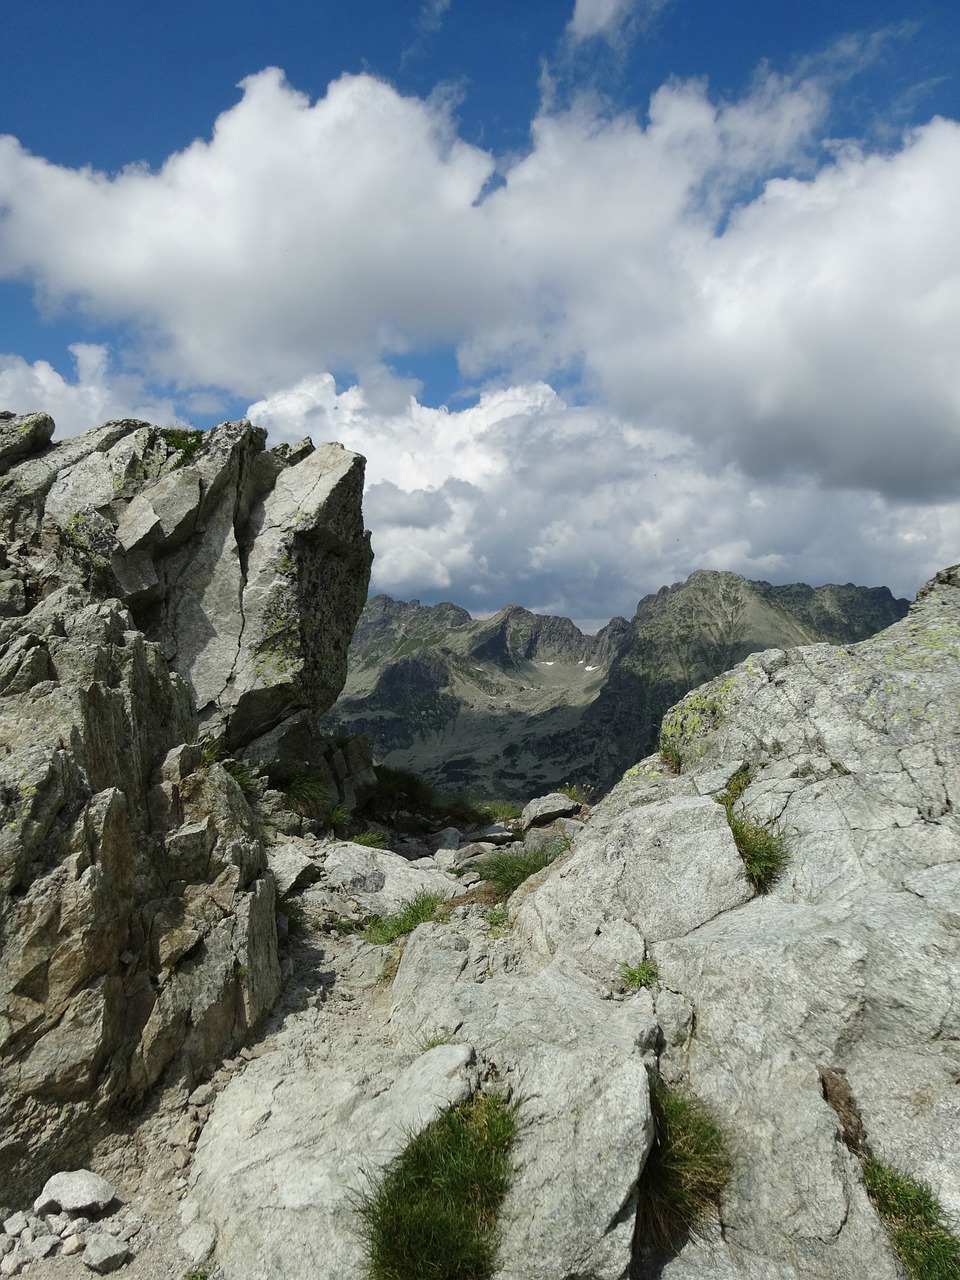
column 148, row 1162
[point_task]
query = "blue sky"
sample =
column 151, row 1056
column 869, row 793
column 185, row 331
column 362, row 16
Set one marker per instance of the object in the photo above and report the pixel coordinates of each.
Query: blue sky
column 605, row 290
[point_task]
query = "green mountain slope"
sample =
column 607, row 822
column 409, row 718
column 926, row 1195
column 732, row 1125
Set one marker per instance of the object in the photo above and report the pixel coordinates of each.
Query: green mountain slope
column 520, row 702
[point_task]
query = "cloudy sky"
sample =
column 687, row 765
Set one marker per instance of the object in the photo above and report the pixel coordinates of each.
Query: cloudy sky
column 605, row 292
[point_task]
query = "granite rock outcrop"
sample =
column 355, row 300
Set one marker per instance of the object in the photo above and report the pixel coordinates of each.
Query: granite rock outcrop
column 162, row 593
column 849, row 967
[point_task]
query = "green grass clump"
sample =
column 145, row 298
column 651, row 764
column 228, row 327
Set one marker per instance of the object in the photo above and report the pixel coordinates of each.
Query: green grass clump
column 472, row 812
column 309, row 795
column 295, row 913
column 432, row 1214
column 737, row 784
column 761, row 848
column 242, row 775
column 372, row 839
column 498, row 921
column 578, row 794
column 639, row 975
column 670, row 755
column 186, row 440
column 915, row 1221
column 339, row 816
column 685, row 1172
column 507, row 869
column 382, row 930
column 762, row 851
column 210, row 751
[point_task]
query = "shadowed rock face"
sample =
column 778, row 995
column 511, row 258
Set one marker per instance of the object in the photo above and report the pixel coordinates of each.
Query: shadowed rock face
column 521, row 702
column 153, row 585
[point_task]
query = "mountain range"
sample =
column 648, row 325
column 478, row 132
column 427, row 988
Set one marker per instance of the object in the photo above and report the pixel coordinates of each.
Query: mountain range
column 519, row 702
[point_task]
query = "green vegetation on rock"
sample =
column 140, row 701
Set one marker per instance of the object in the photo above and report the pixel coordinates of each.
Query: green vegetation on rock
column 685, row 1172
column 432, row 1213
column 684, row 727
column 309, row 795
column 507, row 869
column 185, row 440
column 382, row 930
column 639, row 975
column 761, row 848
column 915, row 1221
column 242, row 775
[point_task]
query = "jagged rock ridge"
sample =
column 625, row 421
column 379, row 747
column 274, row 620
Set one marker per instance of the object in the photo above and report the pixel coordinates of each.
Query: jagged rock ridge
column 521, row 702
column 153, row 586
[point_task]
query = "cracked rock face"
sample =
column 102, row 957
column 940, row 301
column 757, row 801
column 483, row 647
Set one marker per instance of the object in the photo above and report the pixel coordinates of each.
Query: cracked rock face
column 851, row 963
column 249, row 568
column 848, row 969
column 153, row 586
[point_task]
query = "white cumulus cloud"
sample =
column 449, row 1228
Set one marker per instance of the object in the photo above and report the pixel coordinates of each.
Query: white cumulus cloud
column 524, row 498
column 95, row 394
column 608, row 18
column 758, row 329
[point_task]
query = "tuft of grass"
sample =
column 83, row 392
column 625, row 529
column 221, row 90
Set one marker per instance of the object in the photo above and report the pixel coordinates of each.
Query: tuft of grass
column 761, row 848
column 344, row 925
column 432, row 1213
column 296, row 915
column 762, row 851
column 382, row 930
column 737, row 784
column 425, row 1043
column 242, row 775
column 309, row 795
column 472, row 812
column 507, row 869
column 498, row 920
column 210, row 751
column 403, row 789
column 338, row 817
column 915, row 1222
column 372, row 840
column 578, row 794
column 685, row 1172
column 185, row 440
column 670, row 755
column 639, row 975
column 201, row 1274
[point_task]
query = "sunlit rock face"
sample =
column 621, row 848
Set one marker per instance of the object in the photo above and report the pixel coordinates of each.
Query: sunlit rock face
column 847, row 968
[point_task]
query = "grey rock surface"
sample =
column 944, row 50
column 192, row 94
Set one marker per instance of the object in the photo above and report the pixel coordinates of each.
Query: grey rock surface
column 74, row 1192
column 851, row 962
column 140, row 574
column 104, row 1253
column 21, row 435
column 546, row 808
column 377, row 880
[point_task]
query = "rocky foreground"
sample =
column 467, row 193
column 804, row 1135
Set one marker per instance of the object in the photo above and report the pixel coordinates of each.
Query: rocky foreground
column 239, row 1088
